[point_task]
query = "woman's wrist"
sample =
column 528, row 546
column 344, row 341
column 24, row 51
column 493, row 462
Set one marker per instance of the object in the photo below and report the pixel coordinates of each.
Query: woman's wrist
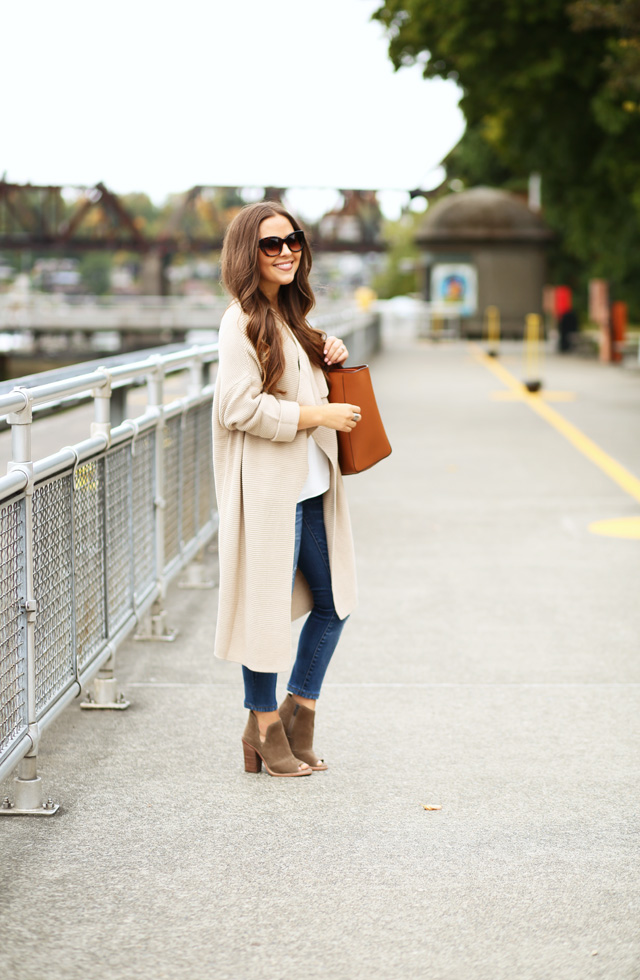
column 310, row 416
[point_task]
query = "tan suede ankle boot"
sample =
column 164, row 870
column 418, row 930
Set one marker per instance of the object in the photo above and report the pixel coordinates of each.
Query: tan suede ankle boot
column 298, row 721
column 274, row 751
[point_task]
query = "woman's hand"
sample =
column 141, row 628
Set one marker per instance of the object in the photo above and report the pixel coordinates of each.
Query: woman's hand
column 335, row 351
column 334, row 415
column 341, row 417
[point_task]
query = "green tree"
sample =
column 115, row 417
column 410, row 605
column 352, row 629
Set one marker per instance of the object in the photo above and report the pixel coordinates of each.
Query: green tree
column 144, row 212
column 400, row 273
column 548, row 87
column 95, row 269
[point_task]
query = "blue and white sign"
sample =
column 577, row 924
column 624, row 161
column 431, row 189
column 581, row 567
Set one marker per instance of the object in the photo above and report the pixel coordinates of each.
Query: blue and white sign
column 454, row 288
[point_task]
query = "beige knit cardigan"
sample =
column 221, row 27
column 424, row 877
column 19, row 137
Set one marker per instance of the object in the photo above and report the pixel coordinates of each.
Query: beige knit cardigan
column 260, row 466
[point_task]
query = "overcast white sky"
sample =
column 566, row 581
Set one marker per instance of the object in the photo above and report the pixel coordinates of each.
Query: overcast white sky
column 156, row 96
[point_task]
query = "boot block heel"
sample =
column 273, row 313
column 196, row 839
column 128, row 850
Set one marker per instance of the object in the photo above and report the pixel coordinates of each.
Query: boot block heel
column 252, row 761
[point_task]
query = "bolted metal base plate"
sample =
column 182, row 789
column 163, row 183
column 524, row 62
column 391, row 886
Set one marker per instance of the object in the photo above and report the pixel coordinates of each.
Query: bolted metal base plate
column 7, row 809
column 114, row 706
column 104, row 696
column 167, row 637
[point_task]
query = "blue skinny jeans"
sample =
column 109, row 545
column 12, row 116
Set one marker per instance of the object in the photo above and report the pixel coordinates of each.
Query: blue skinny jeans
column 320, row 633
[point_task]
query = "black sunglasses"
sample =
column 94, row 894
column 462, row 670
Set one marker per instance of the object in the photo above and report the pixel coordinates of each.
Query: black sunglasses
column 272, row 245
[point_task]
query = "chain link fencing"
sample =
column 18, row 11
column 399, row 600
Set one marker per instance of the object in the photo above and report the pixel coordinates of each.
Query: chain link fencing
column 92, row 535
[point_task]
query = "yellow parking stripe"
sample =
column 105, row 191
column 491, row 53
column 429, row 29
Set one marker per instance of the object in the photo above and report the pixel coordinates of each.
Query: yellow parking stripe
column 611, row 467
column 547, row 396
column 619, row 527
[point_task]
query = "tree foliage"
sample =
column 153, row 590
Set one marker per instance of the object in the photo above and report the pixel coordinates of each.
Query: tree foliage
column 95, row 269
column 549, row 87
column 399, row 276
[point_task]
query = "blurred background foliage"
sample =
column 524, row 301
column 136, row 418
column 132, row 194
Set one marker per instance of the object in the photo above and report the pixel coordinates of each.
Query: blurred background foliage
column 399, row 276
column 548, row 87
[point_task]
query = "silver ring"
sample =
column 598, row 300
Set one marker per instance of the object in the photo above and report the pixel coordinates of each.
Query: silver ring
column 356, row 417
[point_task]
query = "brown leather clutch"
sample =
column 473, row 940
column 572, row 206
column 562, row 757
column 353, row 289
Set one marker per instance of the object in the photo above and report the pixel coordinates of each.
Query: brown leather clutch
column 367, row 444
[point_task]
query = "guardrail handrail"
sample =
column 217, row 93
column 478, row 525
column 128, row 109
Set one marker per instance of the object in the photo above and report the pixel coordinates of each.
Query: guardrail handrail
column 92, row 535
column 90, row 538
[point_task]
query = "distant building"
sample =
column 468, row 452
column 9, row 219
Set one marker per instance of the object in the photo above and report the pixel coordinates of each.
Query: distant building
column 484, row 247
column 56, row 275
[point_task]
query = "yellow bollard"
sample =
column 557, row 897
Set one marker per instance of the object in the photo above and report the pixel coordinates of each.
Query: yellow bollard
column 532, row 353
column 492, row 329
column 365, row 297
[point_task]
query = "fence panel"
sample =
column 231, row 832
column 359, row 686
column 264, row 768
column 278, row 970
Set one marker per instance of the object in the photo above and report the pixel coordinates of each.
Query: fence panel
column 13, row 654
column 53, row 589
column 189, row 475
column 89, row 553
column 84, row 544
column 143, row 492
column 118, row 537
column 172, row 482
column 204, row 460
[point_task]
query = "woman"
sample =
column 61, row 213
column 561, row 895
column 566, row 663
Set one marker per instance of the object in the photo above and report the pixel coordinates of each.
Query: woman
column 282, row 505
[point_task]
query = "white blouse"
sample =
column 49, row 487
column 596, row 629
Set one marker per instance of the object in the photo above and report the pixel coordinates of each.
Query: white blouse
column 319, row 475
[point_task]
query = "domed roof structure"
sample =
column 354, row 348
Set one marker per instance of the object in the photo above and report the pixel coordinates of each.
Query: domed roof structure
column 482, row 214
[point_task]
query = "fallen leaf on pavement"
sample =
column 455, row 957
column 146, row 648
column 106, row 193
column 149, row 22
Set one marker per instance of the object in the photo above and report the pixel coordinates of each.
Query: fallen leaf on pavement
column 432, row 806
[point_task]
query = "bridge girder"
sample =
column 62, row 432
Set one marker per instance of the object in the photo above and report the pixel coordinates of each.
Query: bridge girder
column 39, row 218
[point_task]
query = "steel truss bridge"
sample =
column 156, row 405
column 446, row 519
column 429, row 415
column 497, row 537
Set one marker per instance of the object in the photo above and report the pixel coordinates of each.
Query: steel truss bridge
column 67, row 218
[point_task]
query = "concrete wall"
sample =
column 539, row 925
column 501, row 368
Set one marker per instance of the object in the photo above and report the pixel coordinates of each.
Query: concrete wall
column 511, row 278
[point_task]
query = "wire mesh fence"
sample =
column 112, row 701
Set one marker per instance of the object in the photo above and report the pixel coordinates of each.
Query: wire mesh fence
column 53, row 588
column 143, row 511
column 13, row 664
column 91, row 536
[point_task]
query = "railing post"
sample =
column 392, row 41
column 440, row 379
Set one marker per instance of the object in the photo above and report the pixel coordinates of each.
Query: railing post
column 196, row 376
column 103, row 694
column 195, row 576
column 154, row 626
column 102, row 408
column 27, row 784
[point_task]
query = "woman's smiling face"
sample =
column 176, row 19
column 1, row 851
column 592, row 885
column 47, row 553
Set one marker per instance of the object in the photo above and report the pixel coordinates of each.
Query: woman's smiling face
column 279, row 270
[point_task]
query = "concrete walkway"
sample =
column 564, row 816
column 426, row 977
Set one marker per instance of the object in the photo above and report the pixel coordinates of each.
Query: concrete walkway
column 492, row 668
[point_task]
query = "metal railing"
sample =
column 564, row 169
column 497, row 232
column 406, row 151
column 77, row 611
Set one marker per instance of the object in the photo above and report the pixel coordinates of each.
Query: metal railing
column 92, row 535
column 56, row 313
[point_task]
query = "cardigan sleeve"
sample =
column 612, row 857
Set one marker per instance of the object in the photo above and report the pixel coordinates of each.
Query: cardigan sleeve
column 242, row 404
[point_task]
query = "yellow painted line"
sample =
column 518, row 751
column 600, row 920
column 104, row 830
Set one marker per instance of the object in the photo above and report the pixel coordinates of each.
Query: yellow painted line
column 547, row 396
column 610, row 466
column 619, row 527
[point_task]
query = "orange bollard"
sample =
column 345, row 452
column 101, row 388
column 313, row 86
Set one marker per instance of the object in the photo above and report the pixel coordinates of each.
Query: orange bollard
column 619, row 319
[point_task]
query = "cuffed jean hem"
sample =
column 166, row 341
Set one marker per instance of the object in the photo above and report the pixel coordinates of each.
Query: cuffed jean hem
column 312, row 695
column 256, row 707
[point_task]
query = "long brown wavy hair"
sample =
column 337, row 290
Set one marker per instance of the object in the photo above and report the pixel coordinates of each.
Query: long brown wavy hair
column 241, row 277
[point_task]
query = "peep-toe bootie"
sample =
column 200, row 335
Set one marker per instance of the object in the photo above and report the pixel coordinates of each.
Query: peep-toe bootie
column 274, row 751
column 298, row 721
